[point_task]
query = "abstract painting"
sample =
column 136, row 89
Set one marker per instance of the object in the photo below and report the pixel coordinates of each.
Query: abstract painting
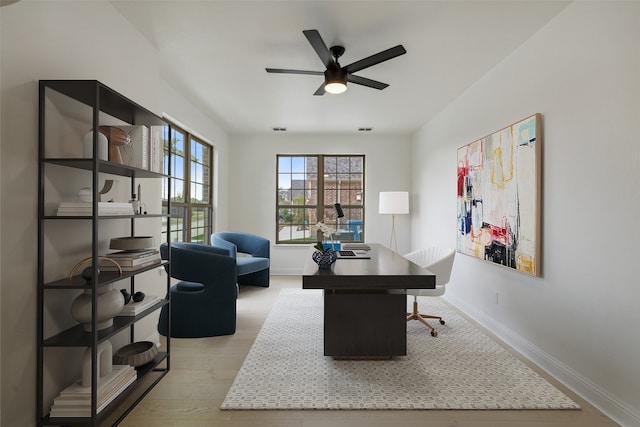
column 499, row 180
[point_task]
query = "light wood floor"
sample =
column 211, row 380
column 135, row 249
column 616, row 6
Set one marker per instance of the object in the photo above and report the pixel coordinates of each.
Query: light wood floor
column 203, row 369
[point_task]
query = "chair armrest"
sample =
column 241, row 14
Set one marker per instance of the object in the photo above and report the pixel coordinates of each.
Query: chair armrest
column 203, row 266
column 193, row 247
column 220, row 243
column 236, row 241
column 260, row 247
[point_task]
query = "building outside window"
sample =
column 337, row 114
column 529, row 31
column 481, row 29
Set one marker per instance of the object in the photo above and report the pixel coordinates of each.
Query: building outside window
column 191, row 186
column 308, row 186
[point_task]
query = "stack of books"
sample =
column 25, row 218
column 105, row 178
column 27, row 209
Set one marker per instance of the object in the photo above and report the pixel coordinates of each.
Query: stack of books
column 132, row 260
column 86, row 209
column 75, row 400
column 135, row 308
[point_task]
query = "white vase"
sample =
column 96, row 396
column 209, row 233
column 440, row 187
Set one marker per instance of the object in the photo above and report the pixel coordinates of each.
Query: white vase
column 103, row 146
column 110, row 303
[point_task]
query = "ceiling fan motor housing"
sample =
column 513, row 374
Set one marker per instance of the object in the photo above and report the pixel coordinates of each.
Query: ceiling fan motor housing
column 335, row 75
column 335, row 80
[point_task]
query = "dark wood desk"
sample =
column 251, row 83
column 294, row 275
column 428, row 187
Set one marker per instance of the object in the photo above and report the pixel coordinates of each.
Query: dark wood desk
column 365, row 302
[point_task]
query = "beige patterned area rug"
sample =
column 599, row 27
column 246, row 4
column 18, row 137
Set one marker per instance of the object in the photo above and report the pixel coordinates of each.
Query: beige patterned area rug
column 462, row 368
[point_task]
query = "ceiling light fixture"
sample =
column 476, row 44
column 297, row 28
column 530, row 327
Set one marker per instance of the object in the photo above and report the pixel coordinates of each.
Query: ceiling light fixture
column 335, row 81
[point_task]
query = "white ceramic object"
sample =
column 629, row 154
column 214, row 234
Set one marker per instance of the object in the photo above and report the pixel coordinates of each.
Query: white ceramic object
column 103, row 146
column 110, row 303
column 85, row 194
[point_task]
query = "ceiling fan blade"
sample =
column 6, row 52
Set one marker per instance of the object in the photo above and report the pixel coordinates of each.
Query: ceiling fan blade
column 379, row 57
column 320, row 90
column 366, row 82
column 283, row 71
column 319, row 46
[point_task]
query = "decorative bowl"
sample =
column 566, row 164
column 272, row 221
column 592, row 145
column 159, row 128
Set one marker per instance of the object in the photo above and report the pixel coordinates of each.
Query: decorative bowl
column 132, row 243
column 135, row 354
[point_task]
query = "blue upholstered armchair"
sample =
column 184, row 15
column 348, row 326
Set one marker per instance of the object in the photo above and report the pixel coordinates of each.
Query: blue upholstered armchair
column 252, row 269
column 203, row 303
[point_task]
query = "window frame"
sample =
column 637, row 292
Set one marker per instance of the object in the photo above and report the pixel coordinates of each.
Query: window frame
column 188, row 206
column 322, row 206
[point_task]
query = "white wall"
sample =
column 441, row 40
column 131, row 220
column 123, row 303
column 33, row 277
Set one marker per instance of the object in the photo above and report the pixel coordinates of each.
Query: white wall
column 580, row 319
column 253, row 173
column 59, row 40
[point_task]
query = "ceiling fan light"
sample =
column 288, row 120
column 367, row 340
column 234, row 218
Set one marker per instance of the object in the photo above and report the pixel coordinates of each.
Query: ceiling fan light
column 335, row 88
column 335, row 80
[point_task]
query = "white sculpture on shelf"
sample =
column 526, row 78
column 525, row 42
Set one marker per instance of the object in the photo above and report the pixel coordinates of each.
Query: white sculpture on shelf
column 106, row 194
column 105, row 362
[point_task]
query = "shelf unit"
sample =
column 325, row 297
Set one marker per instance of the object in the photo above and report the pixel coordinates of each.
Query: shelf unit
column 91, row 104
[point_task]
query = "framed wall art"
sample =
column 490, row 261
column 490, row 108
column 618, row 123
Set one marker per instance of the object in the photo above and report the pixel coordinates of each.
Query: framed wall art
column 499, row 186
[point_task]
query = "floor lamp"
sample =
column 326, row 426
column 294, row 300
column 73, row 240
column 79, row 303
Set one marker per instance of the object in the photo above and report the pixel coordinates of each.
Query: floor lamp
column 394, row 202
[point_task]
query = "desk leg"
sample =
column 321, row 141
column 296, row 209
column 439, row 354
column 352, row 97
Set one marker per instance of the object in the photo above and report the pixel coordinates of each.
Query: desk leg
column 365, row 324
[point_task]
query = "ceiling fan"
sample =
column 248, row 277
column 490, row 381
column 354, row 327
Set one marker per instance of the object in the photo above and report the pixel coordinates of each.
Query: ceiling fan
column 335, row 76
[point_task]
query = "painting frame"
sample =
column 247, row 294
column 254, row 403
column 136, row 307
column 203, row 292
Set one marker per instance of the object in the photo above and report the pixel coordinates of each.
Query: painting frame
column 499, row 194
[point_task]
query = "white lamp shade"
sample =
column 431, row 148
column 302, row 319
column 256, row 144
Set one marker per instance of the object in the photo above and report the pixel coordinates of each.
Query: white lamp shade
column 394, row 202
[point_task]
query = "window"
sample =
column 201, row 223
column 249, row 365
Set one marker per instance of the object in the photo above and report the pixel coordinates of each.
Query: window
column 309, row 186
column 191, row 186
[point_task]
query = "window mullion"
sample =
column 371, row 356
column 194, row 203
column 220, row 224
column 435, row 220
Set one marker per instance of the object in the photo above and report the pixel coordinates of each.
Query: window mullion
column 320, row 191
column 187, row 189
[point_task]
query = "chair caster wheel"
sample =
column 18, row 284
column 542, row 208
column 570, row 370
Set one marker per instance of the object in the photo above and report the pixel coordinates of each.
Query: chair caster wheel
column 442, row 322
column 434, row 334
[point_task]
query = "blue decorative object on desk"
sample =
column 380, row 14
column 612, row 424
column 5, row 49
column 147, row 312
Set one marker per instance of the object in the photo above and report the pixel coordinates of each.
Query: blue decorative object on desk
column 335, row 246
column 324, row 259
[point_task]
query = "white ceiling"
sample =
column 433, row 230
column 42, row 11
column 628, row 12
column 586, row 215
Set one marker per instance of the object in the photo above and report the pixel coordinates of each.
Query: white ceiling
column 215, row 53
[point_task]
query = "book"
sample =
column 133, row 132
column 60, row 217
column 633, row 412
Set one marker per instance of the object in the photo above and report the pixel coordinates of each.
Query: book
column 132, row 267
column 134, row 258
column 133, row 255
column 84, row 410
column 86, row 209
column 126, row 263
column 105, row 383
column 156, row 149
column 88, row 205
column 136, row 153
column 138, row 262
column 75, row 400
column 356, row 246
column 135, row 308
column 122, row 380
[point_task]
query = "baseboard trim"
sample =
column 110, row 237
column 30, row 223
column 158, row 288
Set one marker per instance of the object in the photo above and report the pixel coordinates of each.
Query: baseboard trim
column 286, row 272
column 619, row 411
